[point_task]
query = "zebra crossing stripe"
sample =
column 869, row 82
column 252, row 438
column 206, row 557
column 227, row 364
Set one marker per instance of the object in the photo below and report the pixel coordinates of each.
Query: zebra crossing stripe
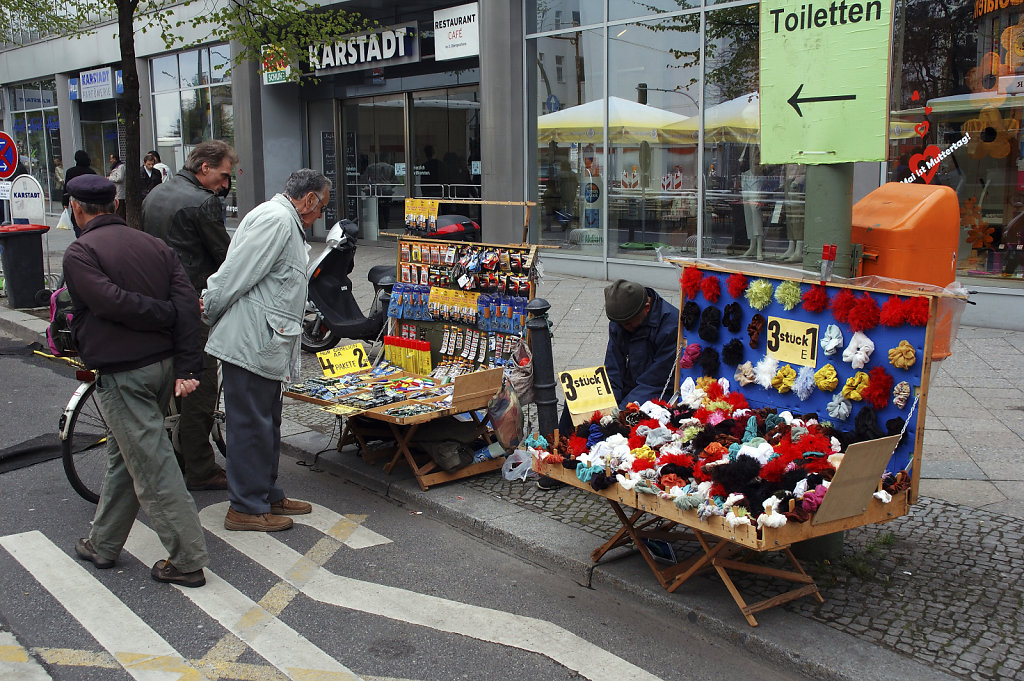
column 485, row 624
column 272, row 639
column 143, row 653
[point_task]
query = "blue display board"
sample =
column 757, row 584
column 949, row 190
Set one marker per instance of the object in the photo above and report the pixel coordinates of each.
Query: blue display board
column 793, row 336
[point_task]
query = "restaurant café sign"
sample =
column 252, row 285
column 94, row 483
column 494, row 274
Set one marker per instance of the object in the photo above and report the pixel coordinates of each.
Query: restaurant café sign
column 386, row 46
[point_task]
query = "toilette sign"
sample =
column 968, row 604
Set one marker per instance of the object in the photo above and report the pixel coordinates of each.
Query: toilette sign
column 386, row 46
column 824, row 80
column 457, row 32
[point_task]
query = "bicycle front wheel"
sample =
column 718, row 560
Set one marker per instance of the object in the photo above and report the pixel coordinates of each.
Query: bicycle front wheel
column 85, row 448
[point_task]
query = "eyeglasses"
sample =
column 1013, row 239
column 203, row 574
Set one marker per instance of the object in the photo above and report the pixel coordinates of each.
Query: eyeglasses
column 320, row 206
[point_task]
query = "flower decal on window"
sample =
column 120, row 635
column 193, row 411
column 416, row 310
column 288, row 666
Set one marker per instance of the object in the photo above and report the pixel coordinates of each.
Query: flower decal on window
column 984, row 78
column 990, row 134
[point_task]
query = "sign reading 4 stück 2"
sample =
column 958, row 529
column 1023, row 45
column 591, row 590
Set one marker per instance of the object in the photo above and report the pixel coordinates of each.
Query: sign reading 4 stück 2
column 825, row 80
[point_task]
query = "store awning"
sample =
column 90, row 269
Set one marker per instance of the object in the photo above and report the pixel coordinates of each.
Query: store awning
column 627, row 122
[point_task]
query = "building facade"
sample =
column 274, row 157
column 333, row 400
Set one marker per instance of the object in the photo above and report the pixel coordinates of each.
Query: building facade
column 634, row 126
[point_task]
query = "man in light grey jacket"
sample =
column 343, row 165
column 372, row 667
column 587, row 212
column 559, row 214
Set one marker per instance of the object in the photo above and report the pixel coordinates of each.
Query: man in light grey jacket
column 254, row 303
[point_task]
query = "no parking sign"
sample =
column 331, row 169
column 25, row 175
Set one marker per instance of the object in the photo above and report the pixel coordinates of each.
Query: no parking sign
column 8, row 156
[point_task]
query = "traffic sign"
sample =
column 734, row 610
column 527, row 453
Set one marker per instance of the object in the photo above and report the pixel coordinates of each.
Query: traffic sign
column 825, row 80
column 8, row 156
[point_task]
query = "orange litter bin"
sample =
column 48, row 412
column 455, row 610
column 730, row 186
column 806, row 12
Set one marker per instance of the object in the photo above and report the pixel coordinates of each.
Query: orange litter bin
column 911, row 232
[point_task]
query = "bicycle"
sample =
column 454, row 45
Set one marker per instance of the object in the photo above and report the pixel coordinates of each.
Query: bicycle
column 83, row 432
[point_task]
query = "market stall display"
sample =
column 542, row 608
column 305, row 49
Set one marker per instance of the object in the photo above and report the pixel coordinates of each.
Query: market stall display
column 799, row 412
column 456, row 319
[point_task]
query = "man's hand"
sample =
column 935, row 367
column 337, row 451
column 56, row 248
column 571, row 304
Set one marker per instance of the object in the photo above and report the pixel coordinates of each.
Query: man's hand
column 184, row 386
column 202, row 308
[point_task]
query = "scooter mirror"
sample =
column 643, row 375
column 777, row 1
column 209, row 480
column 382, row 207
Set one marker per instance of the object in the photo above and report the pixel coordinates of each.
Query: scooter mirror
column 341, row 230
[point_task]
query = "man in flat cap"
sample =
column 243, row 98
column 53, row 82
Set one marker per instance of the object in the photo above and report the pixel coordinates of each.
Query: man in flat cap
column 642, row 336
column 136, row 322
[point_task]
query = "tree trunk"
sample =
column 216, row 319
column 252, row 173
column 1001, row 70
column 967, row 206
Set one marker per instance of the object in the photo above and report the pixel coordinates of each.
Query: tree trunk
column 130, row 110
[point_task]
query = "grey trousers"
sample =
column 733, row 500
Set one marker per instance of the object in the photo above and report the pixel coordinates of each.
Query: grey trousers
column 196, row 458
column 142, row 470
column 253, row 411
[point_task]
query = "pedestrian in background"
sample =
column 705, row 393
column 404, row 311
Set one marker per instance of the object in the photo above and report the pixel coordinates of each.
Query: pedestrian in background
column 149, row 175
column 116, row 176
column 136, row 321
column 187, row 213
column 255, row 303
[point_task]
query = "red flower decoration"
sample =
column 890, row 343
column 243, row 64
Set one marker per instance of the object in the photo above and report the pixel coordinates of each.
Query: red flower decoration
column 815, row 298
column 672, row 480
column 916, row 310
column 711, row 288
column 577, row 445
column 893, row 312
column 841, row 305
column 878, row 389
column 642, row 464
column 690, row 282
column 864, row 314
column 736, row 284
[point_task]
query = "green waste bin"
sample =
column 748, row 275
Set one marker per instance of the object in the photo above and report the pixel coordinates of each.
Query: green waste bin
column 21, row 253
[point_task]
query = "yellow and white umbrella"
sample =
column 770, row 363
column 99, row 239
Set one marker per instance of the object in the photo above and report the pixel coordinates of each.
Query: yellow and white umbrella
column 627, row 122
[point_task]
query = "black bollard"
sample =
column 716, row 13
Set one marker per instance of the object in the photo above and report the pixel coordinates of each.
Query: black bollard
column 543, row 366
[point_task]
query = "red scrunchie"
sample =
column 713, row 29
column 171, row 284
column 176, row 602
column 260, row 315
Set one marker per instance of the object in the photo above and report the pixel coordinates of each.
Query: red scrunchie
column 690, row 282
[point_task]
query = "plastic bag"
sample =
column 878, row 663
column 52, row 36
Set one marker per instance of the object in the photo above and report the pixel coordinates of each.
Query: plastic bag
column 506, row 417
column 65, row 220
column 518, row 466
column 520, row 372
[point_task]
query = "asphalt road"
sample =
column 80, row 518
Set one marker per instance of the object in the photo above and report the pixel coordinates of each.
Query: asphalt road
column 363, row 588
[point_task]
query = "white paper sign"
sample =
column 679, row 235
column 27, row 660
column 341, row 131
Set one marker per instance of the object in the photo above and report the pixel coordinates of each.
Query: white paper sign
column 457, row 32
column 5, row 190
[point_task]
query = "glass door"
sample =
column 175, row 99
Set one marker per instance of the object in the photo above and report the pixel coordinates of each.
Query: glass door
column 445, row 140
column 375, row 163
column 99, row 139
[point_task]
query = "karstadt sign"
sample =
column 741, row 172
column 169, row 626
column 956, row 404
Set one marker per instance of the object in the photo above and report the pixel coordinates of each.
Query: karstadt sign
column 386, row 46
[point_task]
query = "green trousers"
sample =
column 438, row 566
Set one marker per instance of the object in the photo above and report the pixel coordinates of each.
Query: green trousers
column 142, row 470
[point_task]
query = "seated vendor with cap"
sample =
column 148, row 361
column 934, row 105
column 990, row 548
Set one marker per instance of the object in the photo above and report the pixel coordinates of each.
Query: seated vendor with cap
column 642, row 337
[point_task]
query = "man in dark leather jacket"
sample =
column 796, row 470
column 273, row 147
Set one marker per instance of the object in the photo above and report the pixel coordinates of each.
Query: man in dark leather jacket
column 136, row 320
column 186, row 212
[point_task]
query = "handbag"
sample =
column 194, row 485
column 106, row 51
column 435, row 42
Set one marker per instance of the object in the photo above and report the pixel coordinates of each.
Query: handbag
column 520, row 372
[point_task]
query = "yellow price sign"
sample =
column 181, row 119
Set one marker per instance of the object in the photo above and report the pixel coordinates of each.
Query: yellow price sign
column 587, row 390
column 343, row 361
column 793, row 341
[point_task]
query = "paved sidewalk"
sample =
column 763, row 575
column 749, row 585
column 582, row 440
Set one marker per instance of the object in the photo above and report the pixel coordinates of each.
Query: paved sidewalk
column 932, row 594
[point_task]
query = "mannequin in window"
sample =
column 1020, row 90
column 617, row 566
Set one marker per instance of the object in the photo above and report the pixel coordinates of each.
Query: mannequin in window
column 750, row 186
column 794, row 182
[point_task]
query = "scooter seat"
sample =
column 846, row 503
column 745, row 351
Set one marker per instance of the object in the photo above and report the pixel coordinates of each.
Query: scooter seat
column 377, row 274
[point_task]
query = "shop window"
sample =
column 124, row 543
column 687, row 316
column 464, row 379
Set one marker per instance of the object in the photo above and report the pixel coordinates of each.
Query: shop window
column 956, row 122
column 628, row 9
column 35, row 128
column 570, row 184
column 186, row 109
column 165, row 73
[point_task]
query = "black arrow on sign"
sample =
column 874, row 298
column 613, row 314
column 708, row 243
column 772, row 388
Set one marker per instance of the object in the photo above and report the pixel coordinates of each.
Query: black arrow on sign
column 796, row 99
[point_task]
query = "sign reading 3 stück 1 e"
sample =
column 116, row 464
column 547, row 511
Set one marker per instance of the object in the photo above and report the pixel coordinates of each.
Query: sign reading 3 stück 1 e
column 824, row 80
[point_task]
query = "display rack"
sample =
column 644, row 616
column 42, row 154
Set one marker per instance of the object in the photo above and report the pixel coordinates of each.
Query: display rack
column 850, row 502
column 468, row 301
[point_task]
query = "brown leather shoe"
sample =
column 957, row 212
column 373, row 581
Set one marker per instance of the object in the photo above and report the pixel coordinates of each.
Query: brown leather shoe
column 263, row 522
column 218, row 480
column 291, row 507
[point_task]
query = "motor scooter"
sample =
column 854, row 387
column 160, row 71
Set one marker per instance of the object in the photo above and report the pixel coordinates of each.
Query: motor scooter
column 332, row 312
